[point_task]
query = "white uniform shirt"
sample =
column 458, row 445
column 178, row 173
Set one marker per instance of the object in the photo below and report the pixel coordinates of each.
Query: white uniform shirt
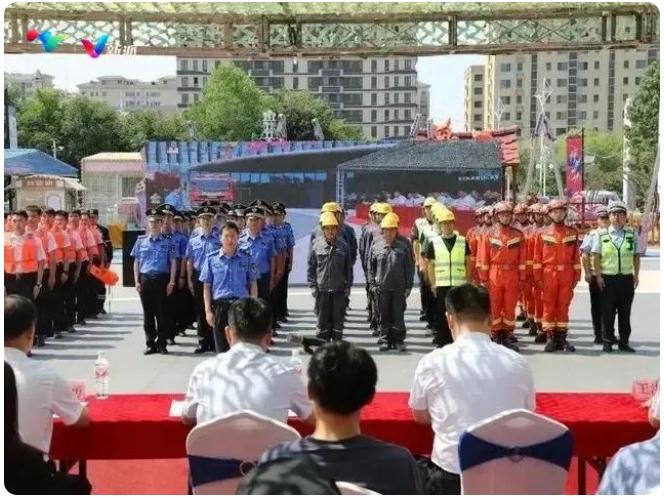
column 41, row 393
column 464, row 383
column 245, row 378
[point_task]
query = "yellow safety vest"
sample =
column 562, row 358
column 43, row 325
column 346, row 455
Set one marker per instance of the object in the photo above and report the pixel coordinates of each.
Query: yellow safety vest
column 617, row 260
column 450, row 266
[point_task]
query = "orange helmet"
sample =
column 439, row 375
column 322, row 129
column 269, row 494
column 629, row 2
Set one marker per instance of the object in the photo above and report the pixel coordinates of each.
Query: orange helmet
column 521, row 208
column 502, row 207
column 557, row 204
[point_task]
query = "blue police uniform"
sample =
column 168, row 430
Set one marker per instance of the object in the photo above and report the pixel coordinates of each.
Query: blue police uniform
column 280, row 307
column 230, row 278
column 154, row 256
column 262, row 249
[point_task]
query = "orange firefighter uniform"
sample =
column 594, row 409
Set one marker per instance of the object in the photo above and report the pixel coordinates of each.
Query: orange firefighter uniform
column 557, row 269
column 502, row 266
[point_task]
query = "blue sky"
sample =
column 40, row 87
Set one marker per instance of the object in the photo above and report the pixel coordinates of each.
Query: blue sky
column 443, row 73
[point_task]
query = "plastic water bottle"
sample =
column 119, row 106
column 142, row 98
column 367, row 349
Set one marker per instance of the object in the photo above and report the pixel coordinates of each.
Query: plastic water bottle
column 296, row 361
column 101, row 376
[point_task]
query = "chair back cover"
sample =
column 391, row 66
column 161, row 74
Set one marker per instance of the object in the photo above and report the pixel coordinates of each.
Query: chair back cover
column 515, row 452
column 223, row 450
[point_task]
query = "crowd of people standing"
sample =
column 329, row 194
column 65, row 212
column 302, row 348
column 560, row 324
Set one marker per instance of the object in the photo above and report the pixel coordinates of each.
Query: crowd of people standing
column 49, row 256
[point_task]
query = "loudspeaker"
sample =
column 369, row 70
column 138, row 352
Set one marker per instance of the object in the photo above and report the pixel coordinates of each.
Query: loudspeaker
column 128, row 240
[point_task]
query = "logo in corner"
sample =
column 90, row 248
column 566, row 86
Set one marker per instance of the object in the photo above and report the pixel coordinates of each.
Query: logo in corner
column 48, row 40
column 96, row 50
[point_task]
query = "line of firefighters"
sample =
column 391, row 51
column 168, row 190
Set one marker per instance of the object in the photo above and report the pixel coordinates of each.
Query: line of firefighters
column 525, row 255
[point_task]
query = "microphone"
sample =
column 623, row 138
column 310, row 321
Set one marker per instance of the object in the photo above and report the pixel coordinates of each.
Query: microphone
column 307, row 342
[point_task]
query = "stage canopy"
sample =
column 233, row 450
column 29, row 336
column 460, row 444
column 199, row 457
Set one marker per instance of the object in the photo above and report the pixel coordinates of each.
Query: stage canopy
column 319, row 159
column 24, row 162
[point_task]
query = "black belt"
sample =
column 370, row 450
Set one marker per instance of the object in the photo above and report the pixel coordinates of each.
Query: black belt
column 225, row 300
column 19, row 276
column 154, row 276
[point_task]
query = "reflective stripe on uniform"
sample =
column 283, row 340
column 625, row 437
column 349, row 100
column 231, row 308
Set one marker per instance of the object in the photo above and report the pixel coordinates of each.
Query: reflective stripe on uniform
column 450, row 266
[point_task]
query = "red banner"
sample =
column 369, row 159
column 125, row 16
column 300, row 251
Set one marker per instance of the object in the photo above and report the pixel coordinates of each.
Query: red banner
column 574, row 167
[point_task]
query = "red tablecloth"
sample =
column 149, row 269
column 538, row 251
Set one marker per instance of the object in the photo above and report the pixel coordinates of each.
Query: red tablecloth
column 138, row 426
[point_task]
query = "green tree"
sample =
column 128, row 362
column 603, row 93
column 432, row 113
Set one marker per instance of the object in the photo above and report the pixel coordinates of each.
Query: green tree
column 139, row 126
column 40, row 120
column 87, row 128
column 643, row 132
column 301, row 107
column 231, row 108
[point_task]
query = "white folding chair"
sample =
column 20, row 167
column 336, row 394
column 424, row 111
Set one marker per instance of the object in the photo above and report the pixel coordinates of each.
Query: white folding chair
column 222, row 451
column 348, row 488
column 516, row 452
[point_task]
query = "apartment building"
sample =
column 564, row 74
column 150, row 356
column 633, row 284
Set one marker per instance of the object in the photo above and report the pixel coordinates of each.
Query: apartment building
column 424, row 100
column 589, row 88
column 380, row 95
column 473, row 104
column 124, row 94
column 28, row 84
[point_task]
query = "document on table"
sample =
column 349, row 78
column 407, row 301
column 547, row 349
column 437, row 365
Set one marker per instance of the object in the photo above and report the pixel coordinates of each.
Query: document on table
column 177, row 407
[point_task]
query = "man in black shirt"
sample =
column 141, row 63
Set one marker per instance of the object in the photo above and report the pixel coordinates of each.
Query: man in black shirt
column 342, row 379
column 448, row 265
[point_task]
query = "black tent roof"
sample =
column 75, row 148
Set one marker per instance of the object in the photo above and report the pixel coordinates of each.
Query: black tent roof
column 430, row 156
column 314, row 159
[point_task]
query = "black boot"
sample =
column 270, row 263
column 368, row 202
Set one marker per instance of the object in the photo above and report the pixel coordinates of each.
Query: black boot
column 533, row 329
column 563, row 344
column 527, row 323
column 551, row 343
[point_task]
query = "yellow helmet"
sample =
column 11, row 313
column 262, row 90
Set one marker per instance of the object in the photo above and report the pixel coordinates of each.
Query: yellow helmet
column 429, row 201
column 372, row 208
column 391, row 220
column 328, row 219
column 330, row 207
column 383, row 208
column 444, row 214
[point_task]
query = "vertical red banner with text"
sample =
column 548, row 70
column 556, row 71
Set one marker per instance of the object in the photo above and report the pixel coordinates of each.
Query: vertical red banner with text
column 574, row 166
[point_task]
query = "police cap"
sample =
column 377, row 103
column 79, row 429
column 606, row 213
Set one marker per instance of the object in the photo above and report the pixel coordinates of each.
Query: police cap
column 154, row 213
column 254, row 211
column 617, row 207
column 205, row 211
column 167, row 209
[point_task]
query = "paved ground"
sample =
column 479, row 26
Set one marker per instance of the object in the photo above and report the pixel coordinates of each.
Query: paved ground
column 120, row 335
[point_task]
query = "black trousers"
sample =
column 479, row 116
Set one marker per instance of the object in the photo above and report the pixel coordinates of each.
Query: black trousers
column 374, row 310
column 596, row 306
column 69, row 291
column 57, row 302
column 22, row 284
column 331, row 306
column 426, row 297
column 44, row 326
column 392, row 306
column 281, row 301
column 153, row 298
column 436, row 480
column 81, row 288
column 617, row 297
column 442, row 332
column 205, row 338
column 221, row 307
column 263, row 285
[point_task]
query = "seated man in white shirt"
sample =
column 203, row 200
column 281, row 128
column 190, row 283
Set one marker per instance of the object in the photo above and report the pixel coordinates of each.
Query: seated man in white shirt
column 634, row 470
column 464, row 383
column 41, row 391
column 246, row 377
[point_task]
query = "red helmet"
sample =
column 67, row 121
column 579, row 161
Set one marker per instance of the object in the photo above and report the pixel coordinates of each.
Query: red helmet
column 535, row 208
column 557, row 204
column 521, row 208
column 502, row 207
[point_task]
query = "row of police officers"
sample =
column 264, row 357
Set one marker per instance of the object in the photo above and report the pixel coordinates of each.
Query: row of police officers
column 48, row 257
column 228, row 253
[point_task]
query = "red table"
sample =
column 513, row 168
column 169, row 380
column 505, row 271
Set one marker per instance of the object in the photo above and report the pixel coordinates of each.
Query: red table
column 137, row 426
